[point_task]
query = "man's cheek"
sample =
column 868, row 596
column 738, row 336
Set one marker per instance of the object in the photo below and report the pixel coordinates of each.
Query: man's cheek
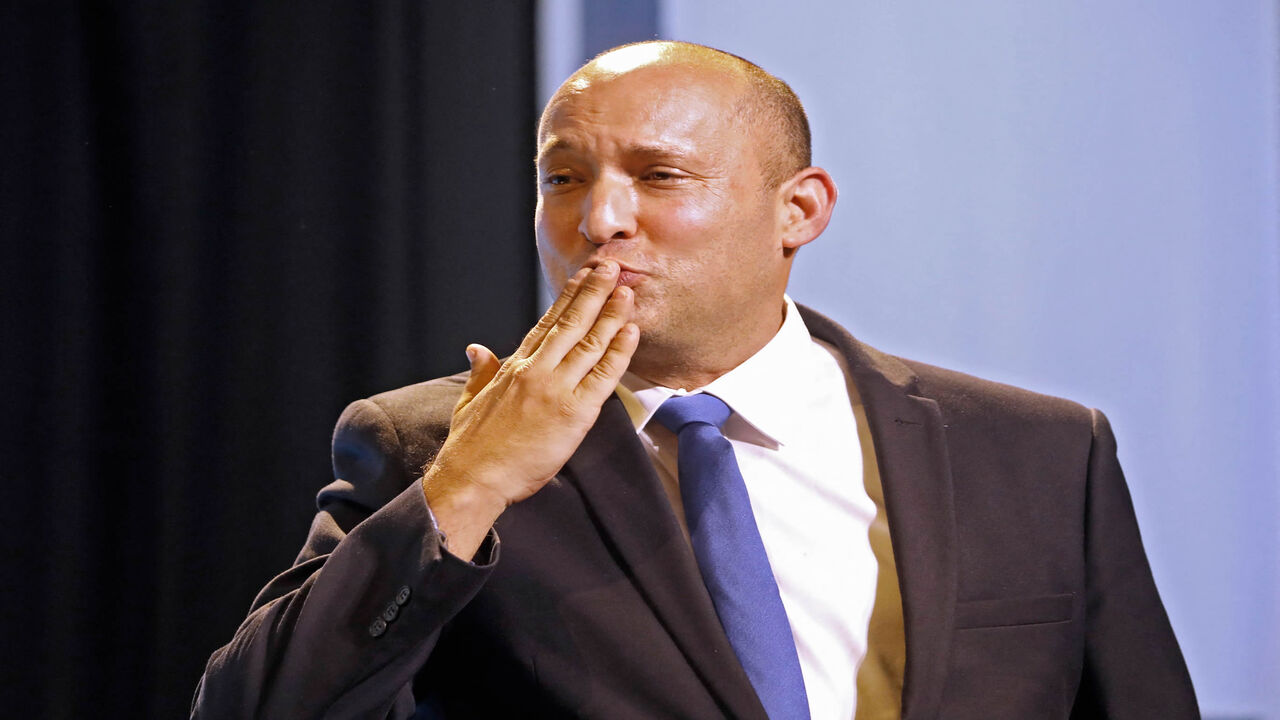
column 642, row 310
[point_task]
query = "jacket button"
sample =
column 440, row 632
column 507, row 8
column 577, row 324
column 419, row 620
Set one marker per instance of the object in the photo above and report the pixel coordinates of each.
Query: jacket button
column 391, row 612
column 378, row 627
column 402, row 597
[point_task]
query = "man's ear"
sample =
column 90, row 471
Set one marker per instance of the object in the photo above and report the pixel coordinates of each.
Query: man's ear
column 807, row 201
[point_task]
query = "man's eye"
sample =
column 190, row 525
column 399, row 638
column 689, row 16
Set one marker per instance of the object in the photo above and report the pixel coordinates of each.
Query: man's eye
column 662, row 176
column 558, row 179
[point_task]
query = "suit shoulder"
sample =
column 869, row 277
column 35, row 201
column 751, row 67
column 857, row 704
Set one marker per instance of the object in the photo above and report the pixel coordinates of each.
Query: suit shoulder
column 964, row 395
column 411, row 421
column 957, row 394
column 430, row 402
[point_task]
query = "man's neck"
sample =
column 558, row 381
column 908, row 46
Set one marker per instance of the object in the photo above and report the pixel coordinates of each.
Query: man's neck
column 678, row 377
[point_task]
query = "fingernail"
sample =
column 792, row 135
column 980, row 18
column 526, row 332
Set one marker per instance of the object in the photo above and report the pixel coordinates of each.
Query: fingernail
column 471, row 355
column 606, row 268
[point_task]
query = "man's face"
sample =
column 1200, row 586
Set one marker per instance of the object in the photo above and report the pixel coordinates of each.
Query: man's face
column 651, row 169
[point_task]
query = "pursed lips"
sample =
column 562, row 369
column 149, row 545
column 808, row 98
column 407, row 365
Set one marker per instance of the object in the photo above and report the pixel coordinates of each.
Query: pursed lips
column 627, row 275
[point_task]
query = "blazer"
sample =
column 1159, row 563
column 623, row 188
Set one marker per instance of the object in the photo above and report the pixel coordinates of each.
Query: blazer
column 1025, row 589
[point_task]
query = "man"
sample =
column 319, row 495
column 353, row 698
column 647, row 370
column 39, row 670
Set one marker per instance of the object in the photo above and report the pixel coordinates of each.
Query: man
column 675, row 187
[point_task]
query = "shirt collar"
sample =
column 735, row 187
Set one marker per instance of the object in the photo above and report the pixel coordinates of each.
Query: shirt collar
column 760, row 390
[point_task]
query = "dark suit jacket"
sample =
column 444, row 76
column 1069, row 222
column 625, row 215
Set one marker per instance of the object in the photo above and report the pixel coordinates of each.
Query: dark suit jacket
column 1026, row 591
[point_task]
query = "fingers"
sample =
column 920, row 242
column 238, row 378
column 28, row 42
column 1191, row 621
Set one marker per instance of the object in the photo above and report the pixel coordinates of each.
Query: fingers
column 548, row 320
column 578, row 361
column 484, row 365
column 605, row 374
column 580, row 315
column 517, row 422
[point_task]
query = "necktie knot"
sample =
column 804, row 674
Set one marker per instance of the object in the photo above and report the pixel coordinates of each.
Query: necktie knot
column 681, row 410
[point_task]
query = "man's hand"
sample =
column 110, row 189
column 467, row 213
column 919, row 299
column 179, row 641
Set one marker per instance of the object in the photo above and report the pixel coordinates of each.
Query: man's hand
column 518, row 422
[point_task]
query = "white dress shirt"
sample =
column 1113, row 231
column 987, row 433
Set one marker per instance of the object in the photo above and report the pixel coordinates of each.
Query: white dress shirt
column 795, row 436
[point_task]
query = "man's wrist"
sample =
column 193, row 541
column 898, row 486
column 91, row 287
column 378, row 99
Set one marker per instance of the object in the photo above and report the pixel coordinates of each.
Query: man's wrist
column 464, row 511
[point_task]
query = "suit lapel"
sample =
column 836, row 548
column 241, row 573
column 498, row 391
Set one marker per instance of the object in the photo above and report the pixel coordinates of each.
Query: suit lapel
column 911, row 450
column 628, row 505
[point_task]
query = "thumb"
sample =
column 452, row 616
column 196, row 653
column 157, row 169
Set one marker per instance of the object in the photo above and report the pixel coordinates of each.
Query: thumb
column 484, row 365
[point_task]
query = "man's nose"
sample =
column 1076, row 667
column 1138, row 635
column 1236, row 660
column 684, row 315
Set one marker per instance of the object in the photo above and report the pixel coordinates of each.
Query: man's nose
column 609, row 211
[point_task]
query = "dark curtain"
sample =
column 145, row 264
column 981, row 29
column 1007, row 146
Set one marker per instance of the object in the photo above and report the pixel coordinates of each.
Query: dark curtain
column 221, row 222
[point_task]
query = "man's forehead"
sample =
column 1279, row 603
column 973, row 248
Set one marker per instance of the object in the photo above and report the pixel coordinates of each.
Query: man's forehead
column 666, row 94
column 655, row 72
column 638, row 127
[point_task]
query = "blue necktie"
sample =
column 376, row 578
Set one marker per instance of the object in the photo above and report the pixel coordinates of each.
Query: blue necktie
column 731, row 556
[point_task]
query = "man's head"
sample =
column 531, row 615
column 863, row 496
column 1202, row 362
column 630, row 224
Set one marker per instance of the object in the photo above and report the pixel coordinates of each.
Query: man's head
column 765, row 101
column 690, row 168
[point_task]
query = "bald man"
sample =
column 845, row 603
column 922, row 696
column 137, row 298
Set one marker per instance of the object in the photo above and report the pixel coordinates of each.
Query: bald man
column 942, row 546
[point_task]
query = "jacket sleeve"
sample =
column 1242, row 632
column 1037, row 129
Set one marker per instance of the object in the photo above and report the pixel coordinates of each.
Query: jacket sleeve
column 343, row 632
column 1133, row 667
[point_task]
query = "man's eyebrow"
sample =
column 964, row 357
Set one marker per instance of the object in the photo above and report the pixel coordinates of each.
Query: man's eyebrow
column 554, row 144
column 655, row 150
column 644, row 150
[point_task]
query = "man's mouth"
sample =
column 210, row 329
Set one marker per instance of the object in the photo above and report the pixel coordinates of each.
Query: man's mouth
column 627, row 275
column 630, row 278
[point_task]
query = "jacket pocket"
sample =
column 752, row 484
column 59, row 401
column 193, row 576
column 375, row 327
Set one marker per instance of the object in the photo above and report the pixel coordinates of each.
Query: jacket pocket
column 1005, row 612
